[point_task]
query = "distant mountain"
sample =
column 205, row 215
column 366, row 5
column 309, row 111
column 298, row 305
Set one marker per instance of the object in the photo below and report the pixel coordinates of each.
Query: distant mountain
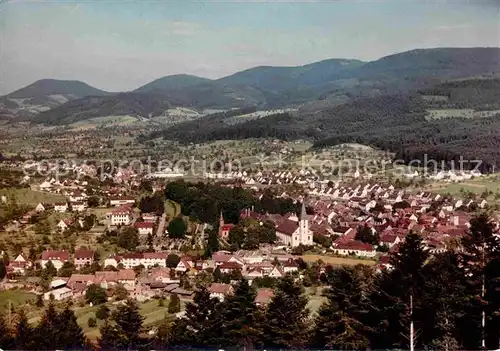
column 46, row 87
column 406, row 124
column 133, row 104
column 313, row 87
column 175, row 82
column 45, row 94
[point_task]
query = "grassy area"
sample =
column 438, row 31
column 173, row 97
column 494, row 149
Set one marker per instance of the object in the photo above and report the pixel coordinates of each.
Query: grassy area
column 476, row 186
column 31, row 197
column 16, row 297
column 172, row 208
column 337, row 260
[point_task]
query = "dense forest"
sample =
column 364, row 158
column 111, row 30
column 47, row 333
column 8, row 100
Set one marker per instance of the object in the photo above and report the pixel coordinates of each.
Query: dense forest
column 205, row 202
column 393, row 122
column 442, row 298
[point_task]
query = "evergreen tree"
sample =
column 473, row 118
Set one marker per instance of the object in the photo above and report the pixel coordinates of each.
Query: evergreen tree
column 339, row 324
column 124, row 331
column 200, row 324
column 445, row 299
column 47, row 332
column 6, row 339
column 395, row 292
column 163, row 335
column 286, row 323
column 174, row 304
column 24, row 333
column 238, row 318
column 481, row 265
column 212, row 244
column 71, row 335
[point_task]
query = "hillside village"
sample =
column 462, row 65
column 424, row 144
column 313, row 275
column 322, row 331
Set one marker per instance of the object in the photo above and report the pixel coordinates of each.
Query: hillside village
column 354, row 219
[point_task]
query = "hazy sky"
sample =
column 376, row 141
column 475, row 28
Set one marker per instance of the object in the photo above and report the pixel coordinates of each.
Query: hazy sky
column 120, row 45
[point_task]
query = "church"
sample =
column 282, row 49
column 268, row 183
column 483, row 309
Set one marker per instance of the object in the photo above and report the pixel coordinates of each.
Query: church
column 295, row 232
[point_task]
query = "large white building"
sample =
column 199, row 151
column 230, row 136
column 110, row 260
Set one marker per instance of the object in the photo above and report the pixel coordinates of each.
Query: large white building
column 122, row 215
column 294, row 233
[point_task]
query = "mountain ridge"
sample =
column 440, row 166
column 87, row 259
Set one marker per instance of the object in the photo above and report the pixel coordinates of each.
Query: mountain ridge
column 319, row 84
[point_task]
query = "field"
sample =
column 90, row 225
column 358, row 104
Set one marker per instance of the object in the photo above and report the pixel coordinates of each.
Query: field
column 476, row 186
column 30, row 197
column 172, row 208
column 16, row 298
column 104, row 122
column 337, row 260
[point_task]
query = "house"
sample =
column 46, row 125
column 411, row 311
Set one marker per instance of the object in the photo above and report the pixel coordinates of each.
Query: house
column 146, row 259
column 19, row 265
column 40, row 208
column 83, row 257
column 59, row 294
column 78, row 206
column 58, row 258
column 121, row 216
column 61, row 207
column 277, row 272
column 112, row 261
column 229, row 267
column 120, row 201
column 149, row 217
column 221, row 257
column 290, row 266
column 354, row 247
column 184, row 265
column 264, row 296
column 126, row 277
column 293, row 233
column 144, row 228
column 64, row 224
column 220, row 291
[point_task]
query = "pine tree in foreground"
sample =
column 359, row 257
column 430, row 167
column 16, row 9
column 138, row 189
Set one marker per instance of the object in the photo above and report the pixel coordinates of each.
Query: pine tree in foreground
column 287, row 319
column 339, row 323
column 238, row 318
column 24, row 333
column 124, row 329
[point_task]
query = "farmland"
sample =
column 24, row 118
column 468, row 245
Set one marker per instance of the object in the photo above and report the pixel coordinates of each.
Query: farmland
column 337, row 260
column 30, row 197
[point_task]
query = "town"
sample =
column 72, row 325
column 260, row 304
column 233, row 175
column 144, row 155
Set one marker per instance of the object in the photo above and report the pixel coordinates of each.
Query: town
column 130, row 236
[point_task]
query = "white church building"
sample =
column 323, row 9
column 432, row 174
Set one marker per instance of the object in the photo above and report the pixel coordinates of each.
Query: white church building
column 294, row 231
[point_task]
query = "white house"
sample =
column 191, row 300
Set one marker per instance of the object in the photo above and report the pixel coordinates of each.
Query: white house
column 120, row 201
column 60, row 207
column 144, row 228
column 122, row 215
column 354, row 247
column 58, row 258
column 59, row 294
column 40, row 207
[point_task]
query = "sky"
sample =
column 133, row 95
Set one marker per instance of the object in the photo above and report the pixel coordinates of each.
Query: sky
column 119, row 45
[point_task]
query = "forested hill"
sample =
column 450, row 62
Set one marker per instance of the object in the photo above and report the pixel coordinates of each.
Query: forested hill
column 318, row 85
column 400, row 123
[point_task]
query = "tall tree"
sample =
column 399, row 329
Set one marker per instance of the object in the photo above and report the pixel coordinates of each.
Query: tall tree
column 238, row 318
column 6, row 339
column 71, row 335
column 445, row 298
column 174, row 304
column 24, row 338
column 287, row 324
column 339, row 324
column 481, row 264
column 163, row 337
column 396, row 298
column 201, row 322
column 47, row 332
column 125, row 328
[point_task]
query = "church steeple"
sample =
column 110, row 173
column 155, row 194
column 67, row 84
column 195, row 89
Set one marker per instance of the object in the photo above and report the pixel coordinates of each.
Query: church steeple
column 303, row 213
